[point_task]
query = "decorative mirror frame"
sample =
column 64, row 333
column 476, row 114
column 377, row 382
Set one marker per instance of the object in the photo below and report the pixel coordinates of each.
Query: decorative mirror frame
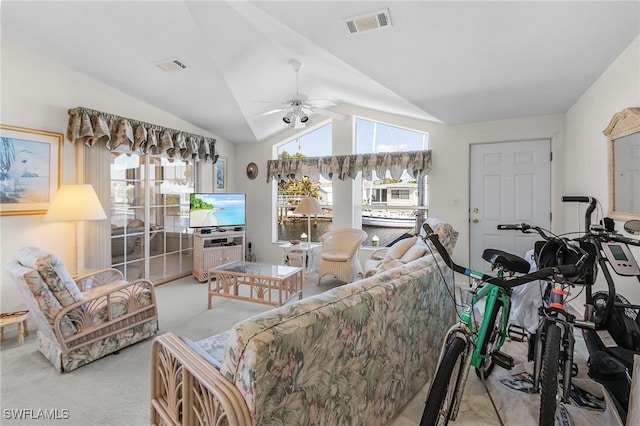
column 623, row 123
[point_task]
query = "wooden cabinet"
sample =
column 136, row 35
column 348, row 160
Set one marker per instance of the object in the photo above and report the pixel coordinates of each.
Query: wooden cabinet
column 216, row 248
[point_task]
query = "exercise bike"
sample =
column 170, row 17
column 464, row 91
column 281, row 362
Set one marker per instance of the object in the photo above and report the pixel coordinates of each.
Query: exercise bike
column 616, row 337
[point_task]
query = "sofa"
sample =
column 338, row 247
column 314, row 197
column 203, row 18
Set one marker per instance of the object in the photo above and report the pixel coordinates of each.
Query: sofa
column 83, row 319
column 354, row 355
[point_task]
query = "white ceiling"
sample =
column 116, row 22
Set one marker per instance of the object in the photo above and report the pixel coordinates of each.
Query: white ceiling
column 449, row 61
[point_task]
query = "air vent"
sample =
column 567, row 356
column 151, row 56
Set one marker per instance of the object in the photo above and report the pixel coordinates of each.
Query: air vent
column 369, row 21
column 172, row 64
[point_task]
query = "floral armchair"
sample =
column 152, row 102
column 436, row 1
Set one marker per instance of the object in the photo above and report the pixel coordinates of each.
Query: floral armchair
column 340, row 254
column 84, row 319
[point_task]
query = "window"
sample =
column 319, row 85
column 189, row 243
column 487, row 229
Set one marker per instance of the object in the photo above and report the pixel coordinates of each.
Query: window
column 390, row 206
column 291, row 226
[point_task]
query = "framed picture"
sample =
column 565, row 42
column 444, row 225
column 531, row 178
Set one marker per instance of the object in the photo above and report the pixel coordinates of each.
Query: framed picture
column 221, row 174
column 30, row 168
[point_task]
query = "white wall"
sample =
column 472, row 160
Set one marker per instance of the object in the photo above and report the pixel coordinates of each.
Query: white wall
column 36, row 93
column 585, row 168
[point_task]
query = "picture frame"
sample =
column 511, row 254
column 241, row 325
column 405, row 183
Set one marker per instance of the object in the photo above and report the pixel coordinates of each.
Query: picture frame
column 220, row 178
column 30, row 169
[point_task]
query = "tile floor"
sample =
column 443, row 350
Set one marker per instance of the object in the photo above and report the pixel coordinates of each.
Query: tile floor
column 515, row 407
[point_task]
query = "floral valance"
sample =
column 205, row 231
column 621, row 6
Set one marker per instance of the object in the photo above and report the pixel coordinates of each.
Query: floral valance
column 349, row 165
column 120, row 134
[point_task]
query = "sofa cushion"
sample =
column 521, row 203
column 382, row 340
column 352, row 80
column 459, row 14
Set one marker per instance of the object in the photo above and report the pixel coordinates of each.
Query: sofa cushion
column 53, row 274
column 335, row 256
column 389, row 263
column 202, row 351
column 397, row 250
column 415, row 251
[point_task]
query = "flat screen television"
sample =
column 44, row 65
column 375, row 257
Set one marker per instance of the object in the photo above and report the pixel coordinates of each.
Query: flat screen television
column 212, row 210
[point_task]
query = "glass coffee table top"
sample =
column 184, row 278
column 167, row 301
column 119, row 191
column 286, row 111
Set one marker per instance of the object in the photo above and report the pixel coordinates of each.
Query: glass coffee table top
column 258, row 269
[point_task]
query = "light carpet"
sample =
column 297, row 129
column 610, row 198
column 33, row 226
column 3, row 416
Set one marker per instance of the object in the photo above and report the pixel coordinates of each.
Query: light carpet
column 113, row 390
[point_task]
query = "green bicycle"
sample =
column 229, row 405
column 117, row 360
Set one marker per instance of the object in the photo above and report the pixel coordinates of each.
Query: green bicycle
column 471, row 342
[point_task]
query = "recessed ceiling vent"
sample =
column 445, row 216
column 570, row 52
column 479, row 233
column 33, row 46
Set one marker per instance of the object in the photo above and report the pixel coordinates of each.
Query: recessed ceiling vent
column 172, row 64
column 369, row 21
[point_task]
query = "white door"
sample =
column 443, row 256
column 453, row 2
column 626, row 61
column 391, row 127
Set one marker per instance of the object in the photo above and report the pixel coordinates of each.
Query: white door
column 510, row 183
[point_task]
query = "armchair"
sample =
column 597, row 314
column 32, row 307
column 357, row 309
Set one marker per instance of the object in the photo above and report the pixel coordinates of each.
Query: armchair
column 84, row 319
column 339, row 254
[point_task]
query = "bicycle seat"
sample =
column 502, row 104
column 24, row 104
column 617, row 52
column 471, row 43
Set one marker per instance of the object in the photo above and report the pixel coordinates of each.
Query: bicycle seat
column 509, row 261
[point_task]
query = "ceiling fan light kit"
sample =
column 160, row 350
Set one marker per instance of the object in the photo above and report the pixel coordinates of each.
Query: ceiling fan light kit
column 298, row 108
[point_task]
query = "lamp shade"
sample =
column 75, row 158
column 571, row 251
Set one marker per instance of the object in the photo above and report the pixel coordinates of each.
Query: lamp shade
column 308, row 206
column 75, row 202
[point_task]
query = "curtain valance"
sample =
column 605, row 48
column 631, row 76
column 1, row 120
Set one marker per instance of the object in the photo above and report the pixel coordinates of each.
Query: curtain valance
column 342, row 166
column 129, row 136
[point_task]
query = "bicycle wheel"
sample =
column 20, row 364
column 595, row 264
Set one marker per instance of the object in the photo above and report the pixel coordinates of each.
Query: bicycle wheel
column 491, row 341
column 441, row 397
column 549, row 376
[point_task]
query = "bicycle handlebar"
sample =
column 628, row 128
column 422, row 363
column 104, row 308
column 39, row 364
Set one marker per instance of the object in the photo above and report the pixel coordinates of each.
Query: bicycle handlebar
column 608, row 237
column 510, row 283
column 525, row 228
column 576, row 199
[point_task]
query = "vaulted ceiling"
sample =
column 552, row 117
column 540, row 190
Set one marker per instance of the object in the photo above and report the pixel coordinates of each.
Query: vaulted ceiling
column 447, row 61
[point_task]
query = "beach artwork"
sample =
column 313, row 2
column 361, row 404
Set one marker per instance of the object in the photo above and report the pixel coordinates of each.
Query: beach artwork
column 28, row 170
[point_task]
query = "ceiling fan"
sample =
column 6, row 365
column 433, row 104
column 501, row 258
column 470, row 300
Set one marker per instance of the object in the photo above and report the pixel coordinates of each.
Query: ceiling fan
column 299, row 106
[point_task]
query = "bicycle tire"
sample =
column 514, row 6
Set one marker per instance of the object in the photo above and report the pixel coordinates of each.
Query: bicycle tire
column 494, row 336
column 437, row 410
column 549, row 376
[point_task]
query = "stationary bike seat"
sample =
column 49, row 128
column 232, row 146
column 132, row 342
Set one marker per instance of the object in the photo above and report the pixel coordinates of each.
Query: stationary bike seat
column 509, row 261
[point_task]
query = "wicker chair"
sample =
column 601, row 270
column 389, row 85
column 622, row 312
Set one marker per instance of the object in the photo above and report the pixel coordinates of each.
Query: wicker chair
column 340, row 254
column 84, row 319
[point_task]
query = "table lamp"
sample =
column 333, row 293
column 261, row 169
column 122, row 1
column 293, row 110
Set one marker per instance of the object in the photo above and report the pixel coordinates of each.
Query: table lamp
column 75, row 203
column 308, row 206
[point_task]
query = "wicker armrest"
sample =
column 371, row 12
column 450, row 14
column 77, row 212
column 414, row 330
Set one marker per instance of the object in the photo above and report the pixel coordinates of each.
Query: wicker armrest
column 98, row 278
column 210, row 398
column 94, row 318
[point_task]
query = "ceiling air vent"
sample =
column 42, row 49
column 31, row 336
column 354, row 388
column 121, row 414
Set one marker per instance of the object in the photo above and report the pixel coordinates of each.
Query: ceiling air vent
column 173, row 64
column 369, row 21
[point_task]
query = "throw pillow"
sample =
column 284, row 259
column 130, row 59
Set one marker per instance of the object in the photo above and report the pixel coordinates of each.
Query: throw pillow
column 397, row 250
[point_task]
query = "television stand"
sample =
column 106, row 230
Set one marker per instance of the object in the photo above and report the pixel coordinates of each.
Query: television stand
column 214, row 247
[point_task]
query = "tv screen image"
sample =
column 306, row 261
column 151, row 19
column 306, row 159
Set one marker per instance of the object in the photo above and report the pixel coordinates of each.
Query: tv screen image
column 209, row 210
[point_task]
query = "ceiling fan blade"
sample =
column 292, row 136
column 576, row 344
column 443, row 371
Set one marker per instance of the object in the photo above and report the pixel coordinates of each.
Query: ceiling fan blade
column 264, row 114
column 328, row 113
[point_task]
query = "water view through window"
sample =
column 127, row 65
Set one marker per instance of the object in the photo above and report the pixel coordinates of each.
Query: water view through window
column 389, row 206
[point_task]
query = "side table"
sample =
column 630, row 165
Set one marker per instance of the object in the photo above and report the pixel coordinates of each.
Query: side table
column 305, row 253
column 20, row 318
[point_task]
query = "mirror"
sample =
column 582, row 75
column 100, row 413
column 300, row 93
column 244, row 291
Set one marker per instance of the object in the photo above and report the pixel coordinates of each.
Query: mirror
column 623, row 136
column 632, row 227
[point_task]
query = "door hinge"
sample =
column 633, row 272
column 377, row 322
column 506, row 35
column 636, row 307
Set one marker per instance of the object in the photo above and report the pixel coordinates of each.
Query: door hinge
column 550, row 216
column 550, row 156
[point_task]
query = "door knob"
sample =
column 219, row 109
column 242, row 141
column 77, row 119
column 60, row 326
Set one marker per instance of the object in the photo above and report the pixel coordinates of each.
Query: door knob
column 475, row 220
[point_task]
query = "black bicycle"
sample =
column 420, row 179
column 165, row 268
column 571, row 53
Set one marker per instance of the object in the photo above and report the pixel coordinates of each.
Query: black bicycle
column 552, row 346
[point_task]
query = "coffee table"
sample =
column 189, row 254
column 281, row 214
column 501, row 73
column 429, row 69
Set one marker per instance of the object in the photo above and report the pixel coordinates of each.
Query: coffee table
column 256, row 282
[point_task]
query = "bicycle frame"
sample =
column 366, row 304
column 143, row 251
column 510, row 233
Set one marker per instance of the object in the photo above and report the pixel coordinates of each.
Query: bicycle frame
column 467, row 327
column 556, row 314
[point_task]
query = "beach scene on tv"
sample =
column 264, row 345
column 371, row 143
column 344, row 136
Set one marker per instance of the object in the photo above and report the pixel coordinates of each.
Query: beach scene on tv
column 211, row 210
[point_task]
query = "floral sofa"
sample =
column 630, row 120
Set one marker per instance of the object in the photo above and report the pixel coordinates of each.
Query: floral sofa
column 84, row 319
column 354, row 355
